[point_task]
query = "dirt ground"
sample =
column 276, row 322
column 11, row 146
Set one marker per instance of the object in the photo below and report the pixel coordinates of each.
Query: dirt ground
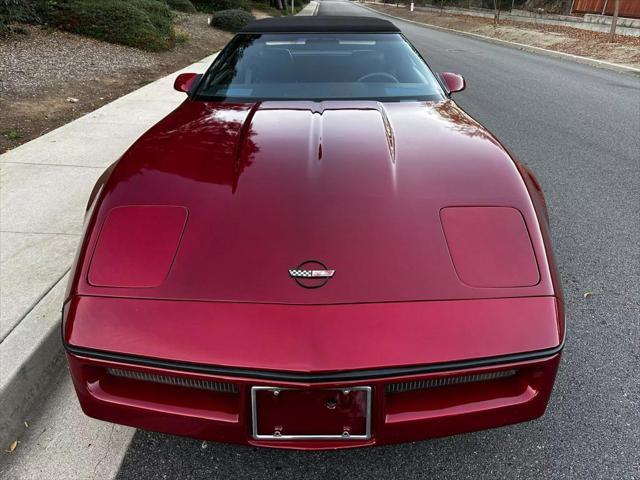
column 625, row 50
column 48, row 78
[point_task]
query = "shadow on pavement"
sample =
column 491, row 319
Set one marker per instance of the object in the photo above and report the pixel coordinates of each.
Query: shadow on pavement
column 494, row 454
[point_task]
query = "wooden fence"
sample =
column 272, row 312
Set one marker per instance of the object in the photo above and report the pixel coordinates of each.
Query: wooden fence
column 628, row 8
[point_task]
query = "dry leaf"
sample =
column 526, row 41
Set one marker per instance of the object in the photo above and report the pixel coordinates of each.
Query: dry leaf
column 13, row 446
column 587, row 294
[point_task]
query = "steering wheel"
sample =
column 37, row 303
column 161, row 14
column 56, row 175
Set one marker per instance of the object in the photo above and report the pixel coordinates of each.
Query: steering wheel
column 385, row 75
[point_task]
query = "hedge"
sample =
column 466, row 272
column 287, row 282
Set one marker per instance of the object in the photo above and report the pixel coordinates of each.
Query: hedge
column 145, row 24
column 181, row 6
column 21, row 11
column 231, row 20
column 211, row 6
column 159, row 14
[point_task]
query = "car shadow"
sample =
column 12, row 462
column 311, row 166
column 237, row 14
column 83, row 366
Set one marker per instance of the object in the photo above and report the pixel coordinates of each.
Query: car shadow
column 491, row 454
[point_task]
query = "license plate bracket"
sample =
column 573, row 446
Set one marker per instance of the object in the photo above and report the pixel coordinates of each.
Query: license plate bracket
column 311, row 414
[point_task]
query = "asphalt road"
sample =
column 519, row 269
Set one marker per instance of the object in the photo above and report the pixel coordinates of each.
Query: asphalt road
column 578, row 128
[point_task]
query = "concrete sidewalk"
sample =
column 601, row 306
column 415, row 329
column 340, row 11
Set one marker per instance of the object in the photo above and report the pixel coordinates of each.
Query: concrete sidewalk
column 44, row 186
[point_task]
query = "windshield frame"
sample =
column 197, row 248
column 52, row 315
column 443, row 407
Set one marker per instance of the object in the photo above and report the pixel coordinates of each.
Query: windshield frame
column 198, row 95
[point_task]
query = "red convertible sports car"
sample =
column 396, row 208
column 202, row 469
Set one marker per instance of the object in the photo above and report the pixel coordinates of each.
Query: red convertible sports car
column 317, row 249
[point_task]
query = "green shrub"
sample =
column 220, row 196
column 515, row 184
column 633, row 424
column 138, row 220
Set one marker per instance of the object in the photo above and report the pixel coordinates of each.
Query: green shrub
column 231, row 20
column 211, row 6
column 158, row 13
column 181, row 6
column 221, row 5
column 145, row 24
column 203, row 5
column 200, row 5
column 11, row 11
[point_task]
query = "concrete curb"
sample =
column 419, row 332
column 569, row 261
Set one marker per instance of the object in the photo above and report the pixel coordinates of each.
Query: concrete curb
column 29, row 357
column 520, row 46
column 310, row 9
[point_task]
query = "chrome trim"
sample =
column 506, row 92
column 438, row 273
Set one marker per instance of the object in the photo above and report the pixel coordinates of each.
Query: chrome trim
column 254, row 418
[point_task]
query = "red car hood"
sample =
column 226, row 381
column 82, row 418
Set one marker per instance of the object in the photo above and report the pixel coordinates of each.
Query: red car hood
column 359, row 186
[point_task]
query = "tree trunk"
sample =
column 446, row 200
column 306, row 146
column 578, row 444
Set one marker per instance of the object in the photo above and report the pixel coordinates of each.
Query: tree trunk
column 614, row 21
column 496, row 12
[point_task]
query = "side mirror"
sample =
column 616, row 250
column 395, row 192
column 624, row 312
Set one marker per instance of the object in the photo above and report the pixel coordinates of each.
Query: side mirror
column 184, row 82
column 453, row 82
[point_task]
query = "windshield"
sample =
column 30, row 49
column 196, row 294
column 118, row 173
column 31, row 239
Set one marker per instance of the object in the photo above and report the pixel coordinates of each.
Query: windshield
column 319, row 66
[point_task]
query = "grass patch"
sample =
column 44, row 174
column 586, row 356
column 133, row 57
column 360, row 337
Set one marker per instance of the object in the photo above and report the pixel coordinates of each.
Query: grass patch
column 182, row 36
column 11, row 134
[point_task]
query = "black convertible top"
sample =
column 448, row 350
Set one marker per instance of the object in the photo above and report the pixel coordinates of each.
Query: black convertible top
column 314, row 24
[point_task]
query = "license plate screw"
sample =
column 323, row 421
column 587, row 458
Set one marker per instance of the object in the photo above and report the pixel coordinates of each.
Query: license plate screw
column 346, row 391
column 330, row 404
column 277, row 432
column 345, row 434
column 276, row 393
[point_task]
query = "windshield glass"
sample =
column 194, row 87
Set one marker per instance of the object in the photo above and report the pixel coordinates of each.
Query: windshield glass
column 319, row 66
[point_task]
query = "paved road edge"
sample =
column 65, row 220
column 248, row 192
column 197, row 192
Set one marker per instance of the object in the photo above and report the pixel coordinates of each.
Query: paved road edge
column 520, row 46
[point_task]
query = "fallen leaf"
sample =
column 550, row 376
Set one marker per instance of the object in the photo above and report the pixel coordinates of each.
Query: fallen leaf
column 72, row 100
column 587, row 294
column 26, row 424
column 13, row 446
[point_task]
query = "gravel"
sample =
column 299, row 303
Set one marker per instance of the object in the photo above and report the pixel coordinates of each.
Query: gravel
column 44, row 59
column 48, row 78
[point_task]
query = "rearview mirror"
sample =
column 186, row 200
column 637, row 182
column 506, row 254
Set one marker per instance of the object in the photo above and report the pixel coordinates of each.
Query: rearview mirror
column 453, row 82
column 185, row 81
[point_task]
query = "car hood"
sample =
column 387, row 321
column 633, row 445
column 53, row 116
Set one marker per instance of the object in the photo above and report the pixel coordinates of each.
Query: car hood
column 358, row 186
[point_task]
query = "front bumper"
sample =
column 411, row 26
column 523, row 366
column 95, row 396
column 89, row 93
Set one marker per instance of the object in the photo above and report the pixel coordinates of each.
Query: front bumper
column 313, row 348
column 398, row 414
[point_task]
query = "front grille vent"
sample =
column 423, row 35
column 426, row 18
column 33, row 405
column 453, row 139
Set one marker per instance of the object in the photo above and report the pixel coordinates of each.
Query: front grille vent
column 443, row 381
column 175, row 381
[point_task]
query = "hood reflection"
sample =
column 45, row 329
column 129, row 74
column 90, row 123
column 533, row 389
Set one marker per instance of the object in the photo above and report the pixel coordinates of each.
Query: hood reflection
column 215, row 143
column 206, row 142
